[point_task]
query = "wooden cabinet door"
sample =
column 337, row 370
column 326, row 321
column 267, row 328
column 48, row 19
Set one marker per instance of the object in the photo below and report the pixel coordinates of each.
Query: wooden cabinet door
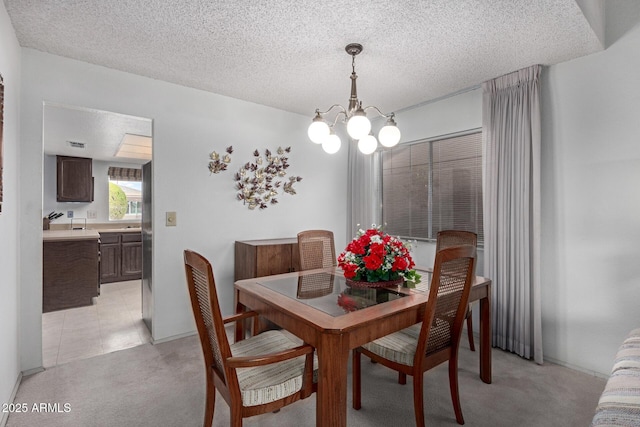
column 255, row 258
column 74, row 179
column 70, row 274
column 131, row 267
column 109, row 262
column 273, row 259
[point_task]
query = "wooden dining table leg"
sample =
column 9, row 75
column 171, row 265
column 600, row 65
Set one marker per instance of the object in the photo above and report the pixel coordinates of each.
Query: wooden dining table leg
column 485, row 337
column 240, row 325
column 333, row 356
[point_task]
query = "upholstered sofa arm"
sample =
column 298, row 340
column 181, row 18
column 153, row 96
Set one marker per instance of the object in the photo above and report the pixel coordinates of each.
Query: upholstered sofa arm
column 619, row 403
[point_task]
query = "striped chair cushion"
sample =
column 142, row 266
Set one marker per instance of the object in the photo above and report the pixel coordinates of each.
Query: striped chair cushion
column 264, row 384
column 399, row 346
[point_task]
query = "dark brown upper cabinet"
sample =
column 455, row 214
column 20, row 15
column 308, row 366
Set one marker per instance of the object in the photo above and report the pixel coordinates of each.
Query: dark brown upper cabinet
column 75, row 180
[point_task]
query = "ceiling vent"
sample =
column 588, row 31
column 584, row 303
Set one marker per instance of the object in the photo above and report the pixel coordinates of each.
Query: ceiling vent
column 75, row 144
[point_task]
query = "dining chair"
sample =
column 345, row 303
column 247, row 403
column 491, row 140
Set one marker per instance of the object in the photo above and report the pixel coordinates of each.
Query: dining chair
column 317, row 249
column 255, row 375
column 415, row 350
column 446, row 239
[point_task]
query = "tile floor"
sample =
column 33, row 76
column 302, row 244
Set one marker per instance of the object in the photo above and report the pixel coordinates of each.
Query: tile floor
column 112, row 323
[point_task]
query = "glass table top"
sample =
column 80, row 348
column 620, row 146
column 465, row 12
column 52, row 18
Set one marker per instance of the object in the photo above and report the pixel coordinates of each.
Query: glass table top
column 329, row 292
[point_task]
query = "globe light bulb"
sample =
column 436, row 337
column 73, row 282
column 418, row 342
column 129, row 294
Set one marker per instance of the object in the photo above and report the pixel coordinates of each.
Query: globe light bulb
column 358, row 125
column 331, row 143
column 389, row 135
column 318, row 130
column 368, row 144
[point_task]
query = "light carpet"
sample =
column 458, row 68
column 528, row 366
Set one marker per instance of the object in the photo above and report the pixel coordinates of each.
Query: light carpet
column 164, row 385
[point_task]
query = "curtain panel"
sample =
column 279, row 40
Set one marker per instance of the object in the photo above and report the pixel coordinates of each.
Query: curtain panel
column 364, row 190
column 511, row 133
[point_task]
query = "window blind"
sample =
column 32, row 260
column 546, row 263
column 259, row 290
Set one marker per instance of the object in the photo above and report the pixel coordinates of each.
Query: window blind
column 124, row 174
column 433, row 185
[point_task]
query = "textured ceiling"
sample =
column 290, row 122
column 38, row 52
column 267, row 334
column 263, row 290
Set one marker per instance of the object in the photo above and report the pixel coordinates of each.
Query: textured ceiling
column 289, row 54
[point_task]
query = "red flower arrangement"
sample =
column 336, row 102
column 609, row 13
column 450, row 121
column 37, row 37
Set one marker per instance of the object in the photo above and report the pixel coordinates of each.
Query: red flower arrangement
column 374, row 256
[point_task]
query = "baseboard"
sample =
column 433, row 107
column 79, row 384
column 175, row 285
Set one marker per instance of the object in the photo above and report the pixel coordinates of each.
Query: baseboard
column 5, row 415
column 171, row 338
column 550, row 360
column 32, row 371
column 576, row 368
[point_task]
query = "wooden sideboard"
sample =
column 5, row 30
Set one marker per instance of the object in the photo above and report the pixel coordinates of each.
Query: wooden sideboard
column 256, row 258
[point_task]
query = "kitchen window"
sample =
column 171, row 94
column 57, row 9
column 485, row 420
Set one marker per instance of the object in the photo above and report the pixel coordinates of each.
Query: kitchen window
column 433, row 185
column 125, row 194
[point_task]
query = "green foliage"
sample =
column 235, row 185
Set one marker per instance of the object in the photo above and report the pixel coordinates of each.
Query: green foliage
column 117, row 202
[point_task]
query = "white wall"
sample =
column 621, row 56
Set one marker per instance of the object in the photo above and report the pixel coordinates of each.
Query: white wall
column 100, row 204
column 187, row 125
column 591, row 204
column 9, row 243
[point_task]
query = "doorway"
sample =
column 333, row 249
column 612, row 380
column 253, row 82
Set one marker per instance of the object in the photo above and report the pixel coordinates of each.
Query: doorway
column 113, row 141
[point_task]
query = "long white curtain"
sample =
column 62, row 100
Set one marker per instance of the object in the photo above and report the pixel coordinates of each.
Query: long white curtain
column 511, row 133
column 364, row 191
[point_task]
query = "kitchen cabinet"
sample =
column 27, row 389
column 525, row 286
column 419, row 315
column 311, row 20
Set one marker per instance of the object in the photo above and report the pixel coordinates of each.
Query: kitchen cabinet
column 120, row 256
column 74, row 179
column 69, row 270
column 256, row 258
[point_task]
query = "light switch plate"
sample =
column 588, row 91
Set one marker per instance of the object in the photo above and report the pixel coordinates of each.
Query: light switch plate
column 92, row 214
column 171, row 219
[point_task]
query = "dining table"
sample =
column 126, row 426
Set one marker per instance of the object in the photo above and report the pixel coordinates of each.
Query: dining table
column 321, row 309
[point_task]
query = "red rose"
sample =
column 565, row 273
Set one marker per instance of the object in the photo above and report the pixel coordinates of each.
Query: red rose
column 377, row 249
column 350, row 270
column 372, row 262
column 356, row 247
column 399, row 264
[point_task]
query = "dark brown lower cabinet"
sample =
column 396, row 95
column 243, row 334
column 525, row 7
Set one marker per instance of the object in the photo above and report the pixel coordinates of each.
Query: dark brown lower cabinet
column 120, row 257
column 69, row 274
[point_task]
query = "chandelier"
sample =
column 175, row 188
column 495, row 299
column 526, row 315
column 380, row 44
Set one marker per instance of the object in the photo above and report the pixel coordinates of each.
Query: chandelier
column 355, row 118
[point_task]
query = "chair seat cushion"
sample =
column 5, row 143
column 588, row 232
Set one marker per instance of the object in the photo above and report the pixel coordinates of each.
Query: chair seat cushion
column 264, row 384
column 399, row 346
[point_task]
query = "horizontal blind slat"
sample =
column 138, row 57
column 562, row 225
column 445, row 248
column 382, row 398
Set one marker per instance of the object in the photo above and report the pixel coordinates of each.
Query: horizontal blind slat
column 455, row 177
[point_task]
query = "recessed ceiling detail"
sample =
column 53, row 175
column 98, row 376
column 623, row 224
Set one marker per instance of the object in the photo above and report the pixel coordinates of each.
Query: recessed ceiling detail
column 134, row 147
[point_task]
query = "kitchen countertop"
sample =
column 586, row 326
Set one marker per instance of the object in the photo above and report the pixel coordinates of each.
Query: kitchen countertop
column 86, row 234
column 120, row 230
column 62, row 235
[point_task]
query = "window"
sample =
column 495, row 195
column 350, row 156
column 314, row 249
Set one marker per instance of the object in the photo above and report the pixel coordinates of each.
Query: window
column 125, row 194
column 433, row 185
